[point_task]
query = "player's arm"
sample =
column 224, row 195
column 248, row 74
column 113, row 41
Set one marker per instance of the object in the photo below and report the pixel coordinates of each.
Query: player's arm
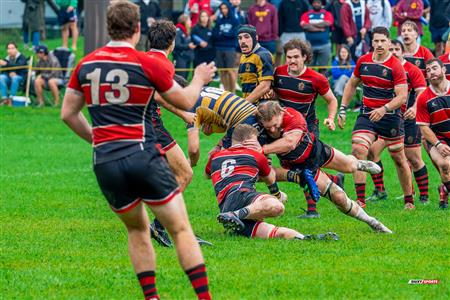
column 401, row 93
column 430, row 136
column 187, row 117
column 260, row 90
column 208, row 168
column 410, row 113
column 286, row 144
column 349, row 92
column 71, row 114
column 332, row 105
column 268, row 176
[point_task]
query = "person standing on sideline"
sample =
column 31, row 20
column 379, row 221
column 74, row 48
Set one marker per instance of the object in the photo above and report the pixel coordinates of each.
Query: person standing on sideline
column 67, row 18
column 264, row 17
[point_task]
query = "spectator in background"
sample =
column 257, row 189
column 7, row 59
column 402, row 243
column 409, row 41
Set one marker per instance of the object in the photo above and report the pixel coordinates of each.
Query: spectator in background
column 289, row 14
column 201, row 35
column 12, row 78
column 195, row 7
column 337, row 35
column 238, row 12
column 264, row 17
column 183, row 53
column 67, row 19
column 342, row 69
column 33, row 21
column 150, row 12
column 225, row 40
column 439, row 23
column 380, row 13
column 316, row 23
column 47, row 79
column 411, row 10
column 355, row 23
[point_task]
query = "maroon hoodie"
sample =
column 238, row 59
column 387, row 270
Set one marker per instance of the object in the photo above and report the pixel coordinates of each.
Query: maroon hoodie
column 265, row 19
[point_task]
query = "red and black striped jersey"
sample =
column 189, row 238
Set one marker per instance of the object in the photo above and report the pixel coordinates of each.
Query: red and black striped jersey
column 154, row 107
column 300, row 92
column 379, row 79
column 445, row 58
column 234, row 168
column 118, row 83
column 419, row 58
column 434, row 110
column 293, row 121
column 415, row 81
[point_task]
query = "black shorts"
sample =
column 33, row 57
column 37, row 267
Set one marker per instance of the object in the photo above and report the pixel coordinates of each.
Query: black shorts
column 313, row 127
column 320, row 156
column 141, row 176
column 413, row 137
column 163, row 136
column 239, row 199
column 65, row 17
column 389, row 128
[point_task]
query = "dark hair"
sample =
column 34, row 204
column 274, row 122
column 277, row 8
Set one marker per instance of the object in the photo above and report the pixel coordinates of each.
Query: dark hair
column 434, row 59
column 397, row 42
column 267, row 110
column 11, row 43
column 180, row 80
column 381, row 30
column 208, row 25
column 161, row 34
column 243, row 132
column 412, row 24
column 122, row 18
column 303, row 46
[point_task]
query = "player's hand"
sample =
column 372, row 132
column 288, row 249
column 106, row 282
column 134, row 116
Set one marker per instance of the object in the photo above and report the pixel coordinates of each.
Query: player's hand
column 189, row 117
column 283, row 197
column 443, row 149
column 252, row 144
column 410, row 113
column 342, row 116
column 207, row 129
column 205, row 72
column 269, row 95
column 329, row 122
column 376, row 114
column 70, row 8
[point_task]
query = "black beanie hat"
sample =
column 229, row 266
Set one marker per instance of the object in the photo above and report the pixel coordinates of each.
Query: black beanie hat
column 246, row 28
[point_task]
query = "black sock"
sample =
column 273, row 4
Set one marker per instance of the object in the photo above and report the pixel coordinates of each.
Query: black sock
column 242, row 213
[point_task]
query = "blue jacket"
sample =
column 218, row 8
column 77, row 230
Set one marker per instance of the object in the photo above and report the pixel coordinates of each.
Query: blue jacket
column 225, row 31
column 338, row 72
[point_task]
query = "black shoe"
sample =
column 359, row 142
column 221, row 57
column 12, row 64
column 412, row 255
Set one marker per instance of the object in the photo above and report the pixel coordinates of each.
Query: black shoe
column 202, row 242
column 423, row 199
column 377, row 195
column 329, row 236
column 340, row 179
column 310, row 215
column 160, row 235
column 443, row 205
column 230, row 221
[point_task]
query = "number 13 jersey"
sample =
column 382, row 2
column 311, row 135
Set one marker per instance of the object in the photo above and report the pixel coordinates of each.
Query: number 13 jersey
column 118, row 83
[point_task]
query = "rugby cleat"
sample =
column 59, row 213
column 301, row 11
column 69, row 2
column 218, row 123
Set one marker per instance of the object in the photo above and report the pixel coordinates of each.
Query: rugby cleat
column 310, row 215
column 368, row 166
column 443, row 205
column 424, row 199
column 202, row 242
column 160, row 235
column 206, row 116
column 230, row 221
column 379, row 227
column 409, row 206
column 329, row 236
column 377, row 195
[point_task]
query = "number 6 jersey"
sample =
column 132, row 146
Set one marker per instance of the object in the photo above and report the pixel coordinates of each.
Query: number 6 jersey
column 117, row 83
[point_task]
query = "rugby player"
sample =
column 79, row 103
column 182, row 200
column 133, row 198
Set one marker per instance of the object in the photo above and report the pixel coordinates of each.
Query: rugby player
column 234, row 172
column 256, row 65
column 297, row 86
column 384, row 90
column 117, row 82
column 298, row 149
column 414, row 53
column 433, row 117
column 412, row 139
column 445, row 58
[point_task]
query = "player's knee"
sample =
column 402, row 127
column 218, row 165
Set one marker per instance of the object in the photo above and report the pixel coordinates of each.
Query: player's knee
column 358, row 151
column 416, row 162
column 444, row 166
column 339, row 198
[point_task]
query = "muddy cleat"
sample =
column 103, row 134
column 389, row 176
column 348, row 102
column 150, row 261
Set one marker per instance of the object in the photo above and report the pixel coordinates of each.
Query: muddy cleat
column 310, row 215
column 202, row 242
column 409, row 206
column 377, row 195
column 368, row 166
column 329, row 236
column 340, row 179
column 230, row 221
column 424, row 199
column 379, row 227
column 361, row 204
column 160, row 235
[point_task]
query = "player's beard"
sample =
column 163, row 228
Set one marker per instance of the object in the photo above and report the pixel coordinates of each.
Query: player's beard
column 437, row 80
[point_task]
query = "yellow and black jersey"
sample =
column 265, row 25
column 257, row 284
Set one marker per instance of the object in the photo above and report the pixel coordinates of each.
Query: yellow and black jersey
column 254, row 68
column 231, row 108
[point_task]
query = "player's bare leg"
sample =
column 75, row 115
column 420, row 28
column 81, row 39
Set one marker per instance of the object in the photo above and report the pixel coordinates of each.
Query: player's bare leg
column 397, row 153
column 414, row 156
column 443, row 166
column 268, row 231
column 173, row 216
column 350, row 164
column 361, row 142
column 338, row 196
column 375, row 151
column 179, row 166
column 193, row 146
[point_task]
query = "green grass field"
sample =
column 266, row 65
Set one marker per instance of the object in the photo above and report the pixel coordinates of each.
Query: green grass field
column 60, row 239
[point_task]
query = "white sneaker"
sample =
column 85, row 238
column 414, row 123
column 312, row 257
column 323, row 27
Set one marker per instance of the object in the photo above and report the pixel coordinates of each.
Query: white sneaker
column 368, row 166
